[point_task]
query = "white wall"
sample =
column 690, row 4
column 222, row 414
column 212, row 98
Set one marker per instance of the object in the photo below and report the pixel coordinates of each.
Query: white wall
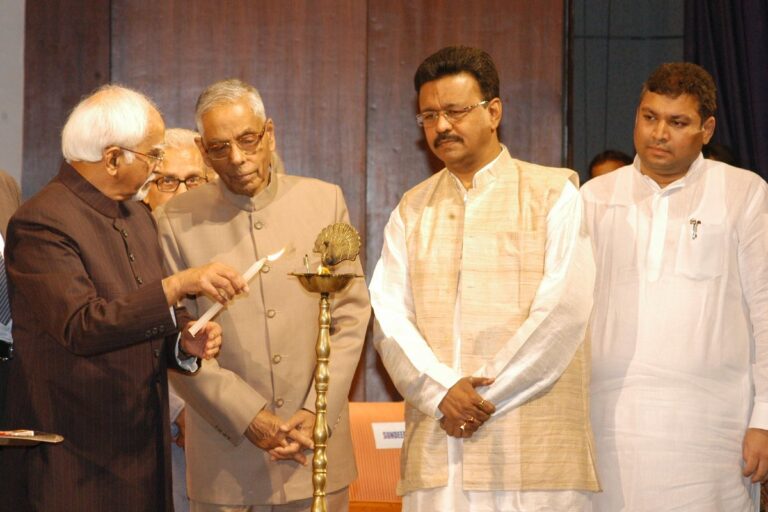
column 11, row 85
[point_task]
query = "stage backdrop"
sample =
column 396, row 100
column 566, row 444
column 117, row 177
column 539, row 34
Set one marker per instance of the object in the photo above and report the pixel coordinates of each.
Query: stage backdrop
column 336, row 77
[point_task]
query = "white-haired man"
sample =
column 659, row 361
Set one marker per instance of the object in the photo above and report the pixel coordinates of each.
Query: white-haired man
column 252, row 410
column 94, row 320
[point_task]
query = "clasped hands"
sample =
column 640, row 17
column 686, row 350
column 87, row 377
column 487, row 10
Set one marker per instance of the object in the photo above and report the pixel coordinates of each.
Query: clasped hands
column 283, row 440
column 464, row 410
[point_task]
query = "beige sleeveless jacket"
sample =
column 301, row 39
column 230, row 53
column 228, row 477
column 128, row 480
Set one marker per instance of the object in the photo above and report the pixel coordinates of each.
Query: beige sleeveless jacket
column 496, row 244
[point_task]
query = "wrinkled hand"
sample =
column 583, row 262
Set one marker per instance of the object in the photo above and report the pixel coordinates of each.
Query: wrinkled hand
column 218, row 281
column 464, row 410
column 181, row 422
column 298, row 431
column 205, row 344
column 755, row 453
column 266, row 432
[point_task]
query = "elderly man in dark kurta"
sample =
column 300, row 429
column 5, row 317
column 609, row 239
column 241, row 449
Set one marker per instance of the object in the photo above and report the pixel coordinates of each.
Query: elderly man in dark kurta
column 94, row 321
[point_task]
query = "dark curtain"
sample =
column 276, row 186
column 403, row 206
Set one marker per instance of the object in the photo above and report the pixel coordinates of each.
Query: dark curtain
column 729, row 38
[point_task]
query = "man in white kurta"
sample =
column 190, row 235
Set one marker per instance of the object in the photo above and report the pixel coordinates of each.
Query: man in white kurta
column 459, row 330
column 680, row 339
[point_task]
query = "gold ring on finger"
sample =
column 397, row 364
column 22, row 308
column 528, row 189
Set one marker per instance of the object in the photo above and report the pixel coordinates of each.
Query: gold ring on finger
column 481, row 403
column 471, row 419
column 463, row 426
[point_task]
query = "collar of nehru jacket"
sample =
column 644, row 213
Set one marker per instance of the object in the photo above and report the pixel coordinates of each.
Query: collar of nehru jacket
column 248, row 203
column 83, row 189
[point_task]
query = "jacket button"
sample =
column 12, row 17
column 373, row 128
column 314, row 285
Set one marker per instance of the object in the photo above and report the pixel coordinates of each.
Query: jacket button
column 277, row 358
column 139, row 280
column 271, row 313
column 258, row 224
column 124, row 233
column 156, row 352
column 279, row 402
column 266, row 268
column 131, row 256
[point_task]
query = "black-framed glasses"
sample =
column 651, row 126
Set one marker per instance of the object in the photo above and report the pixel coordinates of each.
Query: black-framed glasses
column 171, row 184
column 430, row 117
column 155, row 158
column 248, row 143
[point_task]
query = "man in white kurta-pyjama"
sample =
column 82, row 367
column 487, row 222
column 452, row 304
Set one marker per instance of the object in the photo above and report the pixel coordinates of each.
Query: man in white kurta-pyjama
column 680, row 322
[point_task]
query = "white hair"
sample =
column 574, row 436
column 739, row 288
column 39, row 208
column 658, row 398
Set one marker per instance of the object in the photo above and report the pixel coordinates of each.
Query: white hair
column 112, row 115
column 228, row 91
column 180, row 138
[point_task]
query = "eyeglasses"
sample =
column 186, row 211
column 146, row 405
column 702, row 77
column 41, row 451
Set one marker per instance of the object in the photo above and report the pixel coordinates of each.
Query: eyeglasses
column 156, row 159
column 248, row 143
column 171, row 184
column 430, row 117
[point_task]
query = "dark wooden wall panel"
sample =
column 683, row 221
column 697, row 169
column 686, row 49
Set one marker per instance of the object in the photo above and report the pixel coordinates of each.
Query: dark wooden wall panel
column 336, row 77
column 65, row 57
column 307, row 58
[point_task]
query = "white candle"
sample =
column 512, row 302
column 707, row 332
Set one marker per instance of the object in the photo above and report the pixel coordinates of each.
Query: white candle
column 248, row 275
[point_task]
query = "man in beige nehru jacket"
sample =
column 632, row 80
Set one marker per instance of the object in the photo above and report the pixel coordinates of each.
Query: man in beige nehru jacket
column 483, row 293
column 251, row 411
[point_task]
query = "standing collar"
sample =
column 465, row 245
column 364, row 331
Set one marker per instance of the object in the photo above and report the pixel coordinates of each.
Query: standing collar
column 248, row 203
column 89, row 194
column 487, row 173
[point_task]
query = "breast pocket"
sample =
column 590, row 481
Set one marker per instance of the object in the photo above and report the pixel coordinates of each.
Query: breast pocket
column 701, row 256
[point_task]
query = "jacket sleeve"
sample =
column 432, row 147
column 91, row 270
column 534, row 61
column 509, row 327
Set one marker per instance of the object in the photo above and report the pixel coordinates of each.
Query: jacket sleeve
column 45, row 266
column 219, row 395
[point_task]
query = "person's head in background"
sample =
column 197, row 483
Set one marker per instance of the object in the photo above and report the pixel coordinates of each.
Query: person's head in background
column 721, row 153
column 183, row 168
column 607, row 161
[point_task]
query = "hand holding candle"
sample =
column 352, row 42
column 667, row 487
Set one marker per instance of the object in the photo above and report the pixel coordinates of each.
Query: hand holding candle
column 247, row 275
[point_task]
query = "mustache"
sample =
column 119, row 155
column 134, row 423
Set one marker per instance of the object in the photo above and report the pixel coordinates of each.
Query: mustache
column 446, row 137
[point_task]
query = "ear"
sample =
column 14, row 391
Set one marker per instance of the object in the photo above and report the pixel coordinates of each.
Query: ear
column 112, row 156
column 709, row 128
column 270, row 130
column 495, row 109
column 203, row 153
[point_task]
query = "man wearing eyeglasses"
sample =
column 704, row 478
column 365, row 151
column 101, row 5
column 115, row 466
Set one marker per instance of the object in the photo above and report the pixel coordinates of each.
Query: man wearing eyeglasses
column 183, row 168
column 251, row 411
column 95, row 322
column 482, row 294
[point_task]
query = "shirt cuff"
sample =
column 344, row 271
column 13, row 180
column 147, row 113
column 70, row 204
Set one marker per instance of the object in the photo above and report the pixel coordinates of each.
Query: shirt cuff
column 759, row 416
column 185, row 363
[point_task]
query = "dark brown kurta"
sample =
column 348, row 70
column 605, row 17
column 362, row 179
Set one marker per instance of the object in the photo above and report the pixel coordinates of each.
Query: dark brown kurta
column 89, row 319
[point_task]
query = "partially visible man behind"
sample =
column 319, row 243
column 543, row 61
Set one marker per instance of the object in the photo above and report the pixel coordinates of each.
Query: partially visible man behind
column 680, row 325
column 10, row 199
column 483, row 293
column 608, row 161
column 183, row 168
column 251, row 411
column 93, row 321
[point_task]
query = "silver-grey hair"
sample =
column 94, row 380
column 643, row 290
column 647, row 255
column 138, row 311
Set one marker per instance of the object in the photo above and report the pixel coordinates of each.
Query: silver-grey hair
column 180, row 138
column 113, row 115
column 228, row 91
